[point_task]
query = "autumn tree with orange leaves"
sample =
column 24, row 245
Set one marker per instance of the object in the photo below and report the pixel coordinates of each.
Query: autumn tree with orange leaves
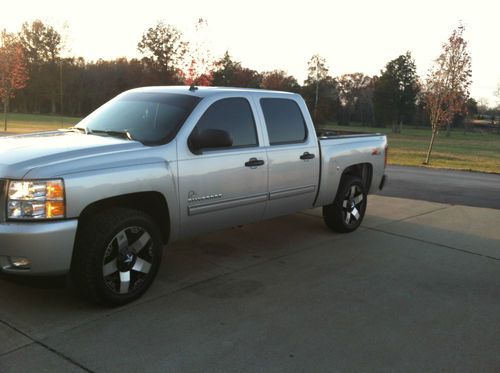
column 447, row 85
column 13, row 72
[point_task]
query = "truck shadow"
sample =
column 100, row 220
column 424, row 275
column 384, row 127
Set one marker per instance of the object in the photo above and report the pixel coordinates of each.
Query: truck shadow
column 204, row 265
column 37, row 282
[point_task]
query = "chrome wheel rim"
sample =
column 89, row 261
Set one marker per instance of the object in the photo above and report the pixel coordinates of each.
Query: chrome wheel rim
column 128, row 259
column 352, row 205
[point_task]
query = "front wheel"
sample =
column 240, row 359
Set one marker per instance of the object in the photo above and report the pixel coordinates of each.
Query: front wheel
column 117, row 255
column 346, row 213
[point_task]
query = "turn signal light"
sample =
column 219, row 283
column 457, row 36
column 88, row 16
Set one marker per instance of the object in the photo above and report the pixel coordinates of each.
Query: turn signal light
column 54, row 209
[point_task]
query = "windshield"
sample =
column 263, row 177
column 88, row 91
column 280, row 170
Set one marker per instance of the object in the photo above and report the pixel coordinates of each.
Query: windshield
column 149, row 117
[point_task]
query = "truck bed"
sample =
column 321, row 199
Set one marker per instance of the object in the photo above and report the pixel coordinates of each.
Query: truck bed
column 343, row 149
column 324, row 133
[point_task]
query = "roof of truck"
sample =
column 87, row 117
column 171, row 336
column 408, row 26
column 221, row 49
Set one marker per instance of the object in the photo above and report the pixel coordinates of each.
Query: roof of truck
column 207, row 91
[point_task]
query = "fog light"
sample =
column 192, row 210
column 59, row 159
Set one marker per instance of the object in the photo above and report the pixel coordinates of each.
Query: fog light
column 18, row 262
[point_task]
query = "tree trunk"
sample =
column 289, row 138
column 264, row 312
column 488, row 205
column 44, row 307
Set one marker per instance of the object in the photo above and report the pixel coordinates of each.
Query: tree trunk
column 448, row 126
column 5, row 110
column 430, row 147
column 61, row 108
column 394, row 127
column 53, row 104
column 36, row 105
column 400, row 125
column 316, row 100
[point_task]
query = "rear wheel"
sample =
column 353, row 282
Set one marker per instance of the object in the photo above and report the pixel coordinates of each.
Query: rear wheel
column 117, row 255
column 346, row 213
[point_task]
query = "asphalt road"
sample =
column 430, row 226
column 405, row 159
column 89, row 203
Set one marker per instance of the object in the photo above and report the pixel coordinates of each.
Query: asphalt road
column 444, row 186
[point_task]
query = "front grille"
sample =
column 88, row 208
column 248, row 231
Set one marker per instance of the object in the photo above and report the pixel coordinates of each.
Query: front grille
column 3, row 198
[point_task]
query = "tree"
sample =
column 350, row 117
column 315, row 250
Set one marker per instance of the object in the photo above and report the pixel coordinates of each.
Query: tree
column 230, row 73
column 13, row 72
column 328, row 105
column 472, row 110
column 225, row 69
column 199, row 67
column 279, row 80
column 41, row 43
column 164, row 51
column 385, row 100
column 355, row 92
column 317, row 71
column 247, row 78
column 396, row 91
column 447, row 85
column 42, row 47
column 472, row 106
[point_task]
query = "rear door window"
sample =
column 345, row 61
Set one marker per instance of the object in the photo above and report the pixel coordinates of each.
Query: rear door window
column 284, row 121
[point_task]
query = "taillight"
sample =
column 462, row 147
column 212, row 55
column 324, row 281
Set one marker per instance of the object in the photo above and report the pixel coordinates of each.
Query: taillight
column 386, row 150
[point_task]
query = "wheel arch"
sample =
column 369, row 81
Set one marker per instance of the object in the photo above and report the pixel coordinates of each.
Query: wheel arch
column 364, row 171
column 151, row 203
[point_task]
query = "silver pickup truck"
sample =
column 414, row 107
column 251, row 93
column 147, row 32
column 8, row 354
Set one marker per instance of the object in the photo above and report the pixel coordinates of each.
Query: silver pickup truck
column 154, row 165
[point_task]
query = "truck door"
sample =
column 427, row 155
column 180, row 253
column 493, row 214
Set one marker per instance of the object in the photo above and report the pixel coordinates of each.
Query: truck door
column 293, row 157
column 226, row 186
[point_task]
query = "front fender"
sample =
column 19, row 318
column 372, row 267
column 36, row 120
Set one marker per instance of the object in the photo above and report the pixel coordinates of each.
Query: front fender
column 86, row 188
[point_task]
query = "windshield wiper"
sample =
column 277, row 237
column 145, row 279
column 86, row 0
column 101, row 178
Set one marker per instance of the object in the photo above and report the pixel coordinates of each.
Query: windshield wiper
column 123, row 134
column 79, row 129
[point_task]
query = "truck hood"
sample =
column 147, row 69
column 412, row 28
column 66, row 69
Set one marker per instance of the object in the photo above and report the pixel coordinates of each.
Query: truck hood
column 23, row 153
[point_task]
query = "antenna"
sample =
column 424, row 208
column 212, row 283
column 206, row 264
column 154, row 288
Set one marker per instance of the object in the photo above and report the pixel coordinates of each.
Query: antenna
column 193, row 88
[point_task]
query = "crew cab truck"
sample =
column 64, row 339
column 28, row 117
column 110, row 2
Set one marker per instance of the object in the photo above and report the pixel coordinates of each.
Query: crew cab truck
column 158, row 164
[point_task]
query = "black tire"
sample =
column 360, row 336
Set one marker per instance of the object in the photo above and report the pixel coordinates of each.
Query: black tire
column 346, row 213
column 131, row 236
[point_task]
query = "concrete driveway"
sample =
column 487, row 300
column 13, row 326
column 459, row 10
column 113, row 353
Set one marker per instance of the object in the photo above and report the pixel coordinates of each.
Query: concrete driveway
column 416, row 288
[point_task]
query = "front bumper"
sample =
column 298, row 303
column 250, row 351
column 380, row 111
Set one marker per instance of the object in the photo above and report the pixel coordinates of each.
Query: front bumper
column 48, row 246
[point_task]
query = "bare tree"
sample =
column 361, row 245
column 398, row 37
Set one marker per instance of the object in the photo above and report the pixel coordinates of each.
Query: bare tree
column 447, row 85
column 199, row 64
column 318, row 71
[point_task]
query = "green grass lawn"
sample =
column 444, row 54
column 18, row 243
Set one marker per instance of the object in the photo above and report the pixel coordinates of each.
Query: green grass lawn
column 23, row 123
column 471, row 151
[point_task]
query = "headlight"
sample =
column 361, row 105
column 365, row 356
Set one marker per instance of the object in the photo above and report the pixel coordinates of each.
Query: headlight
column 36, row 200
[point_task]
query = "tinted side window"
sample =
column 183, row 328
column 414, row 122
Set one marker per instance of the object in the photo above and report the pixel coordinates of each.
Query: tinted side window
column 284, row 121
column 233, row 115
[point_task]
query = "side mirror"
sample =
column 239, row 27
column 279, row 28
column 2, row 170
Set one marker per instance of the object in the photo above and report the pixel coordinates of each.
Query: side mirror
column 209, row 139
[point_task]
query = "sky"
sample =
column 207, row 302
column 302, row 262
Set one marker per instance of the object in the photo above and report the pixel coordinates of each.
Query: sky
column 353, row 36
